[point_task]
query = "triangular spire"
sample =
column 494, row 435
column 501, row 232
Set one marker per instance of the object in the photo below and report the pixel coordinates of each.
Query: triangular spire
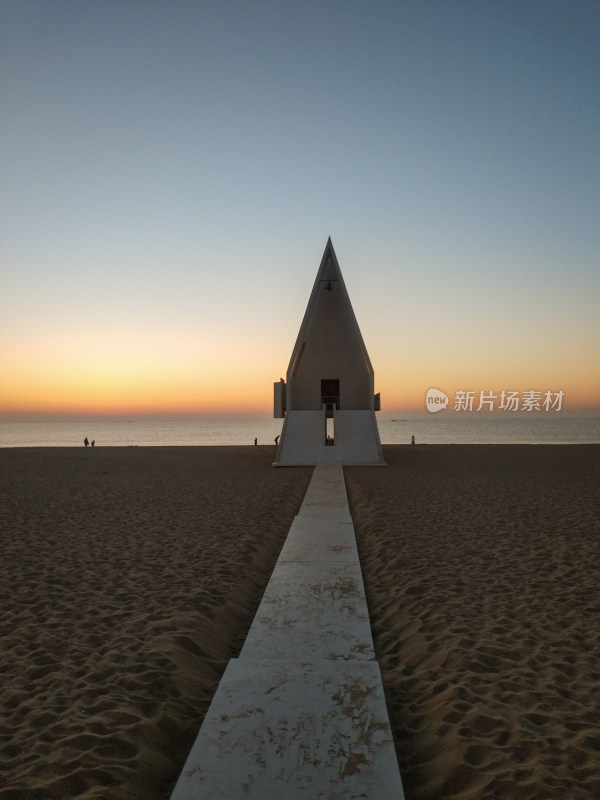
column 329, row 308
column 329, row 377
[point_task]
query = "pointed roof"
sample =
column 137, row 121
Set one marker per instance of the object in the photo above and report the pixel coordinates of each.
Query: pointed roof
column 329, row 278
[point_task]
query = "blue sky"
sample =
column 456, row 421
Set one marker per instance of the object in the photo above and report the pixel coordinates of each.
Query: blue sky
column 171, row 171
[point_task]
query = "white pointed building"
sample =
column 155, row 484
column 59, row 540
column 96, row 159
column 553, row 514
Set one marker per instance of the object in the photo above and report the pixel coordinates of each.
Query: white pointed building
column 327, row 400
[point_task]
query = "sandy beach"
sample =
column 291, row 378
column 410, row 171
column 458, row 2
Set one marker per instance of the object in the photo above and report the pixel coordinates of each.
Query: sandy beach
column 129, row 577
column 482, row 573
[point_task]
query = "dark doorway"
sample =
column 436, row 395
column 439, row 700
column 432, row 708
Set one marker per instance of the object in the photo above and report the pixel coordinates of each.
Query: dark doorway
column 330, row 394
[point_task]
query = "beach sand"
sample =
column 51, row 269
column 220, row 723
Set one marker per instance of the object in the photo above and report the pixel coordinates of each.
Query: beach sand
column 482, row 573
column 129, row 577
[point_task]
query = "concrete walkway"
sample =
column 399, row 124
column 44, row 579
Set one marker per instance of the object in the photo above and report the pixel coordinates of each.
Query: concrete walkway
column 301, row 713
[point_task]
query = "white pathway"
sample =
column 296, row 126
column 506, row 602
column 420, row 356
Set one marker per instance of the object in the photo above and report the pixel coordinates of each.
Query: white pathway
column 301, row 713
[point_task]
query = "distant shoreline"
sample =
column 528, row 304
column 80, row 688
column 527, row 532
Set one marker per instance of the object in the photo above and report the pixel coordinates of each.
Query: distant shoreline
column 437, row 445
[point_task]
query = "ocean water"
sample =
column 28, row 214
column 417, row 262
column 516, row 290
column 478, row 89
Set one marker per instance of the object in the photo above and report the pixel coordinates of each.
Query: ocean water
column 243, row 428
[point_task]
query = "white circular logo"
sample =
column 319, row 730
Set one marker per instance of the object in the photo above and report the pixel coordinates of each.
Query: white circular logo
column 435, row 400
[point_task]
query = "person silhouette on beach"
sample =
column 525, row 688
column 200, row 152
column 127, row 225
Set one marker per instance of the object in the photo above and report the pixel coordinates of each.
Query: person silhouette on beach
column 255, row 442
column 93, row 442
column 412, row 439
column 85, row 441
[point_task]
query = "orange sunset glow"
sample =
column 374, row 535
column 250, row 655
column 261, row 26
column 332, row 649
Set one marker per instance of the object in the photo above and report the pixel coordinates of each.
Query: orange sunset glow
column 162, row 229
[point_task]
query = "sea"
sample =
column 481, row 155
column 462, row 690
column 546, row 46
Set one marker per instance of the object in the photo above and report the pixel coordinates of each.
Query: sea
column 243, row 429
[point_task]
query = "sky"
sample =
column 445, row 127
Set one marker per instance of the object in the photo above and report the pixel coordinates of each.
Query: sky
column 170, row 173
